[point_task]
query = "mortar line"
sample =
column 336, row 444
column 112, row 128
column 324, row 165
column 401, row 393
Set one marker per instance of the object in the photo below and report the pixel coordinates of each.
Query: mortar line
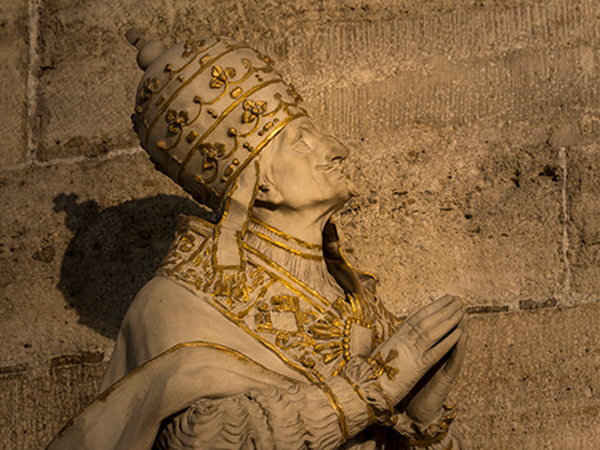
column 562, row 154
column 73, row 160
column 32, row 82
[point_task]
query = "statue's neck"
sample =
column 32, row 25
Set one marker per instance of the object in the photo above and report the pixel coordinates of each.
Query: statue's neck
column 306, row 225
column 304, row 260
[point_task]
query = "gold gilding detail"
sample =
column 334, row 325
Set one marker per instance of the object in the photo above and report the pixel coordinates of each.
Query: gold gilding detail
column 252, row 110
column 286, row 248
column 359, row 393
column 212, row 113
column 236, row 92
column 284, row 314
column 285, row 236
column 266, row 128
column 191, row 46
column 149, row 87
column 198, row 344
column 185, row 84
column 219, row 119
column 191, row 136
column 204, row 59
column 381, row 366
column 220, row 76
column 176, row 120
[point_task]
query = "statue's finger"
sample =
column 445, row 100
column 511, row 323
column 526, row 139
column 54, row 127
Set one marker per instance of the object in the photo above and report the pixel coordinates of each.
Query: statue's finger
column 429, row 309
column 457, row 357
column 439, row 316
column 436, row 331
column 438, row 351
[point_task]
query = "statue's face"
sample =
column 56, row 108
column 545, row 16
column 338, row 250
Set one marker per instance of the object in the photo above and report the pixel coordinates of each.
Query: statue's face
column 304, row 168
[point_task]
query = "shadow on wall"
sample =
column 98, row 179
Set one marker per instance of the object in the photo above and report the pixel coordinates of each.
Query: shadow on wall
column 114, row 253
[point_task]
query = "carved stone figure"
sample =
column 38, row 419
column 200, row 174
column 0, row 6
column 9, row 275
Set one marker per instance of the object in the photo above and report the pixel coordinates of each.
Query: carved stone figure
column 256, row 333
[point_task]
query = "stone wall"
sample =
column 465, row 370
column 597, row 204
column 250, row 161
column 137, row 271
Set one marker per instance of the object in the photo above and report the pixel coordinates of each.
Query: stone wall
column 474, row 130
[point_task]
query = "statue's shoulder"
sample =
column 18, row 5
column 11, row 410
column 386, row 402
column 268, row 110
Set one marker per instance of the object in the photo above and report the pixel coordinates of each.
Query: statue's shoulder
column 189, row 260
column 193, row 262
column 194, row 238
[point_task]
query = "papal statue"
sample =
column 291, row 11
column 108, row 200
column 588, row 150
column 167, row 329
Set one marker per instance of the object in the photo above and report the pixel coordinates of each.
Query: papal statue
column 256, row 332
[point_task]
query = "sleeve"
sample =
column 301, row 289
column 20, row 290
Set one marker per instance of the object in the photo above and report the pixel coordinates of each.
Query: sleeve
column 319, row 416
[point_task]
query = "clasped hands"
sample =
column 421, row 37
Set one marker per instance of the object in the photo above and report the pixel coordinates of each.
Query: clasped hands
column 418, row 364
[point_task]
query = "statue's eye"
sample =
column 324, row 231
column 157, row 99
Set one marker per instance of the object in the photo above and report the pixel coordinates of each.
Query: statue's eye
column 299, row 141
column 301, row 144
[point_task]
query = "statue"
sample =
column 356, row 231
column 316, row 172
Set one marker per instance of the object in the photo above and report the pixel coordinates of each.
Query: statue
column 256, row 333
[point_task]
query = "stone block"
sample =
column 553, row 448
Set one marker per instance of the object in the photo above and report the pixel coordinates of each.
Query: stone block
column 76, row 244
column 474, row 211
column 531, row 381
column 583, row 195
column 34, row 409
column 430, row 44
column 14, row 60
column 513, row 87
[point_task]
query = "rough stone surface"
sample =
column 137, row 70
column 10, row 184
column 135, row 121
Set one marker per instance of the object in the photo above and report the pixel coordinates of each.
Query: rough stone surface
column 454, row 65
column 584, row 215
column 531, row 381
column 14, row 59
column 34, row 409
column 474, row 130
column 474, row 211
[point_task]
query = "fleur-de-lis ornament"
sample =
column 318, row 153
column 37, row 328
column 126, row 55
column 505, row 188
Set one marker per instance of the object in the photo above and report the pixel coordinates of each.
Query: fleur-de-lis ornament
column 177, row 119
column 220, row 76
column 252, row 110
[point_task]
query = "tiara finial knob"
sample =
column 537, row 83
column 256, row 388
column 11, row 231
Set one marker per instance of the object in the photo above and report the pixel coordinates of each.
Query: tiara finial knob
column 148, row 51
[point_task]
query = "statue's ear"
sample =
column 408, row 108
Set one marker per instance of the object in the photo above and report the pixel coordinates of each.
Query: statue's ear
column 268, row 193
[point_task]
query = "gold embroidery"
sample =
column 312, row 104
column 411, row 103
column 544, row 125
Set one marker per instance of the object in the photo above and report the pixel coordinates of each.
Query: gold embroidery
column 309, row 333
column 282, row 246
column 380, row 365
column 286, row 236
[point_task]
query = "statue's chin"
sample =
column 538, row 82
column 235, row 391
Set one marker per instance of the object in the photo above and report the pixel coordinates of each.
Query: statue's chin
column 353, row 189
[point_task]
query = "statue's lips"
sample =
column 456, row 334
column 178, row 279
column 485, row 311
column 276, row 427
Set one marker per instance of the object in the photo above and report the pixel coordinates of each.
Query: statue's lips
column 334, row 168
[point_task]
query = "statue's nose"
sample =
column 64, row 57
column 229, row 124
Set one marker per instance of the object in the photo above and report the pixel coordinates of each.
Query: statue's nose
column 335, row 150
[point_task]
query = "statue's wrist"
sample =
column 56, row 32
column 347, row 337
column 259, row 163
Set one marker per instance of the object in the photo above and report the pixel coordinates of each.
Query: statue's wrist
column 432, row 436
column 368, row 388
column 354, row 412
